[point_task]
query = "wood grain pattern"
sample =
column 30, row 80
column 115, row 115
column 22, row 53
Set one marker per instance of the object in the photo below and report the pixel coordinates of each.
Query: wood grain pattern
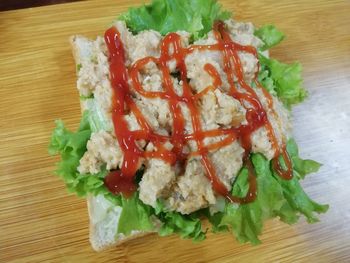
column 40, row 222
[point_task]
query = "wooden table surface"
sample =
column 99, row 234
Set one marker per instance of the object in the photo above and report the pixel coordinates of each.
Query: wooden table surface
column 40, row 222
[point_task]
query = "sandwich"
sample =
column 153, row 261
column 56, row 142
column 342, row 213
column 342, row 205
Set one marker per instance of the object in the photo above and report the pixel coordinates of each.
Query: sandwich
column 185, row 119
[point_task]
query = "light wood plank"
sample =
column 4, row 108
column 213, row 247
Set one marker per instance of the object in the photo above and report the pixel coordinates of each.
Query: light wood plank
column 41, row 222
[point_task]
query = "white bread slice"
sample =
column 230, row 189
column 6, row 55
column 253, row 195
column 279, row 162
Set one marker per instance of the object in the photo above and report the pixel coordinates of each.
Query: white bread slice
column 104, row 216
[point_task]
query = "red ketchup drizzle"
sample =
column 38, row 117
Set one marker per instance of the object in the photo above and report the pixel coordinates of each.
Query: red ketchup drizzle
column 171, row 49
column 121, row 181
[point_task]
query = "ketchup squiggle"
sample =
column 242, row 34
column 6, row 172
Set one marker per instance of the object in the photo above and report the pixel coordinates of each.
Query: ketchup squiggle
column 122, row 181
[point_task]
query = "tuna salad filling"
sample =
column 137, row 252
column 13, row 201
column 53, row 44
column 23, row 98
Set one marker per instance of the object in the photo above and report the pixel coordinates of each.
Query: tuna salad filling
column 183, row 184
column 187, row 126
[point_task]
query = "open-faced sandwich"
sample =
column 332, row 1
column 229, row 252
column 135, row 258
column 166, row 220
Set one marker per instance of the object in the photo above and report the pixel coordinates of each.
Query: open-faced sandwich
column 185, row 118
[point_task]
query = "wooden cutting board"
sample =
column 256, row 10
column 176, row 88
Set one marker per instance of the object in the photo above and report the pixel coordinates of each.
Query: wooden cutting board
column 40, row 222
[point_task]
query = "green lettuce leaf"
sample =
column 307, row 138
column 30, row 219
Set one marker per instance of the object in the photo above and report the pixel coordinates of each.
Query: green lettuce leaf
column 301, row 167
column 215, row 220
column 270, row 35
column 246, row 220
column 164, row 16
column 294, row 193
column 71, row 146
column 283, row 80
column 241, row 186
column 275, row 197
column 265, row 79
column 135, row 216
column 187, row 226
